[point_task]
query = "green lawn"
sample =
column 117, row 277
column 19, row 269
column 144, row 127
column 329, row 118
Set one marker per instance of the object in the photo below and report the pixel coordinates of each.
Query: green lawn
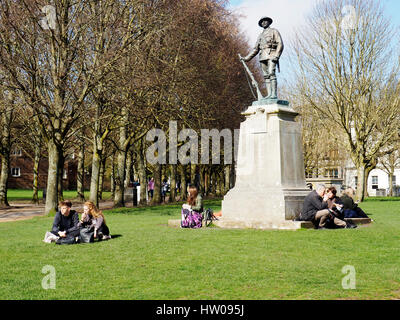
column 152, row 261
column 26, row 195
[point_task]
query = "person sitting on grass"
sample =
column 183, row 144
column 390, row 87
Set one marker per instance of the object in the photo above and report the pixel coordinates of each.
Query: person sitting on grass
column 65, row 224
column 66, row 221
column 315, row 209
column 92, row 217
column 334, row 202
column 351, row 209
column 192, row 210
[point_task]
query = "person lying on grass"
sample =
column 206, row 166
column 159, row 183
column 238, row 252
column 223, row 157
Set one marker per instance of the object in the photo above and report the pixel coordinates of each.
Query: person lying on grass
column 94, row 218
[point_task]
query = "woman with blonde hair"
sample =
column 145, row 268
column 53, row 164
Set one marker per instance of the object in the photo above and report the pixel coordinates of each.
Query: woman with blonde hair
column 192, row 210
column 93, row 218
column 350, row 208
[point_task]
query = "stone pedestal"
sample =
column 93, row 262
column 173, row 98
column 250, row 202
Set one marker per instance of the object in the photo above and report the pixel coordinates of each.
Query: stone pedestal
column 270, row 180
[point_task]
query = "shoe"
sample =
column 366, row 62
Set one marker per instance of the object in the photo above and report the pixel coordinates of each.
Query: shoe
column 350, row 226
column 105, row 237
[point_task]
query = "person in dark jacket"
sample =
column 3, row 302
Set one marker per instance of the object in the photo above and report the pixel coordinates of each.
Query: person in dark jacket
column 66, row 221
column 315, row 208
column 351, row 209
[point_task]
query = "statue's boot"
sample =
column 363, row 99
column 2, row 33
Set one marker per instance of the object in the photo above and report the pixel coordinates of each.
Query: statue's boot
column 274, row 89
column 268, row 86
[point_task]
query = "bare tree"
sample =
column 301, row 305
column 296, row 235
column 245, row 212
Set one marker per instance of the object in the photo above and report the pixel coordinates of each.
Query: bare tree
column 348, row 72
column 390, row 160
column 7, row 118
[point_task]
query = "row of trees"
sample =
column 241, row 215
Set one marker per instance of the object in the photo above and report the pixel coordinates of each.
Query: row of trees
column 93, row 77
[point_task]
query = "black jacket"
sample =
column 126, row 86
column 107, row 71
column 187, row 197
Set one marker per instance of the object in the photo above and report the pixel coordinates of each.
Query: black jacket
column 312, row 204
column 63, row 223
column 348, row 202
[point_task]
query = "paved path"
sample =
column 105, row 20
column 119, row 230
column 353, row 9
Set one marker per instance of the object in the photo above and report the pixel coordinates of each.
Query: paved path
column 23, row 211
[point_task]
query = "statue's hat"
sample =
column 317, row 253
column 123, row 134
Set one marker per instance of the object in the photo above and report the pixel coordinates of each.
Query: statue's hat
column 263, row 19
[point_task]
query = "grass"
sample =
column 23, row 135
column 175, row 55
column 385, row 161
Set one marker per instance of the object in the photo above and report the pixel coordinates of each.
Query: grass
column 26, row 195
column 152, row 261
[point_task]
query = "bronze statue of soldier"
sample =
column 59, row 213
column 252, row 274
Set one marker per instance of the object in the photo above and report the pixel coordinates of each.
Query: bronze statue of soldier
column 270, row 46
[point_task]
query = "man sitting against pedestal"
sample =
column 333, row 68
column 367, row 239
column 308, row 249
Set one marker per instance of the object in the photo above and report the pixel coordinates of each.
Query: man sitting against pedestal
column 315, row 209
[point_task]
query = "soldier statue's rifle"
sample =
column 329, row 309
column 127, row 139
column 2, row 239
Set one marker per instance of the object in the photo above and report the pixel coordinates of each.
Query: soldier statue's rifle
column 253, row 81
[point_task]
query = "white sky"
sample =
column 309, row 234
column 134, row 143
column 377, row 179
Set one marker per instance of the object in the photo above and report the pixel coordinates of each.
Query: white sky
column 286, row 14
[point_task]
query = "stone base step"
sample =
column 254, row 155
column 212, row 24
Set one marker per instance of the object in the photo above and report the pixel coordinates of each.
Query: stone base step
column 284, row 225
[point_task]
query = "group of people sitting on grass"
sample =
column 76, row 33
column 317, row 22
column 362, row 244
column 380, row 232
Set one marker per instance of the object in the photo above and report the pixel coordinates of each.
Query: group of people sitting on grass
column 322, row 207
column 326, row 210
column 68, row 229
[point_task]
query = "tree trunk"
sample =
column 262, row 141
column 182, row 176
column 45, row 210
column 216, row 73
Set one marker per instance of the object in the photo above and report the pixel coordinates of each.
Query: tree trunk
column 206, row 181
column 157, row 183
column 391, row 183
column 101, row 178
column 60, row 185
column 35, row 183
column 213, row 189
column 172, row 195
column 202, row 181
column 80, row 182
column 362, row 174
column 227, row 185
column 233, row 176
column 367, row 172
column 52, row 178
column 112, row 177
column 5, row 169
column 128, row 170
column 141, row 165
column 96, row 168
column 193, row 168
column 220, row 183
column 119, row 179
column 360, row 184
column 120, row 173
column 5, row 143
column 183, row 183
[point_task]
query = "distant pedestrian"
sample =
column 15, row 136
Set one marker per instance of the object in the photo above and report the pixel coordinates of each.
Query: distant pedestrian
column 164, row 189
column 150, row 188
